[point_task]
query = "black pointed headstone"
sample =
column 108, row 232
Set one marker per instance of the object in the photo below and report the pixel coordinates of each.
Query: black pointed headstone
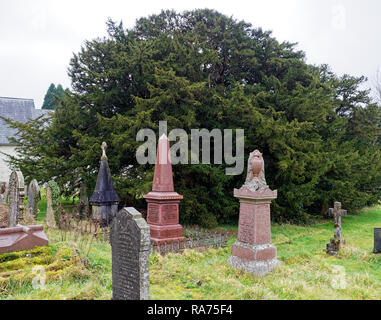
column 104, row 199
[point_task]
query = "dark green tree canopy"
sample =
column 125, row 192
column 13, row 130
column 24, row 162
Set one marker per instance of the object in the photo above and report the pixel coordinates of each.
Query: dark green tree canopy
column 52, row 96
column 201, row 69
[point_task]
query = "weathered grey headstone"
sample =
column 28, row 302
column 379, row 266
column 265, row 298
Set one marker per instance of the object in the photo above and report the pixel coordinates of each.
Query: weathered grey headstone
column 130, row 241
column 34, row 196
column 50, row 218
column 13, row 198
column 377, row 240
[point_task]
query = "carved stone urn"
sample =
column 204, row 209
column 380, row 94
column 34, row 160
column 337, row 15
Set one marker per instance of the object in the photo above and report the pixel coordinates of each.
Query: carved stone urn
column 256, row 164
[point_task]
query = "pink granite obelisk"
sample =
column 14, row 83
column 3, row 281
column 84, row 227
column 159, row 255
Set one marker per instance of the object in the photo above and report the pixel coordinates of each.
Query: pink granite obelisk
column 163, row 201
column 253, row 251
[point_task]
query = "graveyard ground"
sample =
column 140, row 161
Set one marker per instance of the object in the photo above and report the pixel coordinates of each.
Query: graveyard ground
column 306, row 271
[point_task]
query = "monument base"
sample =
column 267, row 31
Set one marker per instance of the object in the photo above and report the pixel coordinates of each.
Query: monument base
column 173, row 241
column 257, row 259
column 258, row 268
column 167, row 233
column 334, row 246
column 262, row 252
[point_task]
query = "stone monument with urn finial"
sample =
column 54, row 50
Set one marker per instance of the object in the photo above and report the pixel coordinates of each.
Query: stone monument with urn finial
column 253, row 251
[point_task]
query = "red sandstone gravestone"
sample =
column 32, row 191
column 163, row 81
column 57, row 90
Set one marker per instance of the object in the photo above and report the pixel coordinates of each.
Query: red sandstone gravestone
column 163, row 201
column 253, row 251
column 22, row 238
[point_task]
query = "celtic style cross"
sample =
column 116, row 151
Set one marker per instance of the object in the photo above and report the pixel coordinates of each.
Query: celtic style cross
column 337, row 213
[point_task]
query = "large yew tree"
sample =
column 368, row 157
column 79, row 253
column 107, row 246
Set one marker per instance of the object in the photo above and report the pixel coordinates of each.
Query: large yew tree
column 201, row 69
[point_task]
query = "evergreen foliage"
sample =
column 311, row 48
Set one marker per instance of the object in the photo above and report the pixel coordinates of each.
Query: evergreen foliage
column 55, row 189
column 52, row 96
column 201, row 69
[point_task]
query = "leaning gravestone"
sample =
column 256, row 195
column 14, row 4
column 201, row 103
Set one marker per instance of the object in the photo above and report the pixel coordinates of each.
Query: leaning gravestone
column 34, row 196
column 377, row 240
column 130, row 241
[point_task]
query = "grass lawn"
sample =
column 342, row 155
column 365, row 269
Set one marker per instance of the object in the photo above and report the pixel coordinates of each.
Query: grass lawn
column 306, row 271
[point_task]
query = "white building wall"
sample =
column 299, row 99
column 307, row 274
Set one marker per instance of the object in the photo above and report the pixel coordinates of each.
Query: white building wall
column 5, row 172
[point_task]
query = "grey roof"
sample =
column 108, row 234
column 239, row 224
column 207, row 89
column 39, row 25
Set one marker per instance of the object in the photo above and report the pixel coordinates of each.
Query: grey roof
column 20, row 110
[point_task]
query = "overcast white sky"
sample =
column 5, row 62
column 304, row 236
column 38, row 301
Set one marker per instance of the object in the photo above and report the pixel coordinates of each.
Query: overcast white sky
column 38, row 37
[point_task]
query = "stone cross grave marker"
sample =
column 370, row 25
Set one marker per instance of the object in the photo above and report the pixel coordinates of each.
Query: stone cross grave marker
column 34, row 196
column 336, row 212
column 130, row 241
column 377, row 240
column 335, row 244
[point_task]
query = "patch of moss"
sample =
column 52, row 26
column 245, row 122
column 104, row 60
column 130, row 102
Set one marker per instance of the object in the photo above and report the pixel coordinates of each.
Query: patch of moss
column 5, row 257
column 22, row 267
